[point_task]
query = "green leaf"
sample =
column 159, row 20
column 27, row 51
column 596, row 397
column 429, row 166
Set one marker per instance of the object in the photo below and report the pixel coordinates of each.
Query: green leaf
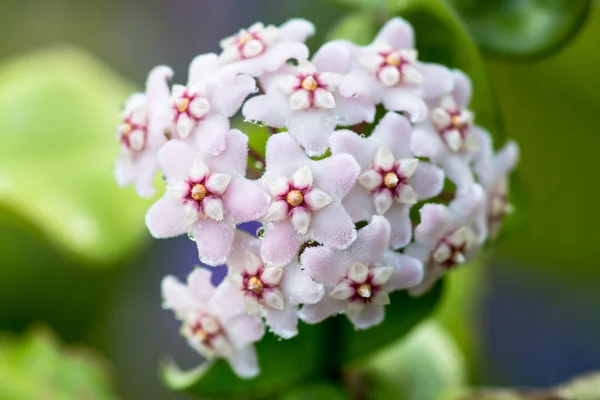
column 36, row 367
column 523, row 29
column 318, row 352
column 358, row 27
column 318, row 391
column 363, row 5
column 58, row 114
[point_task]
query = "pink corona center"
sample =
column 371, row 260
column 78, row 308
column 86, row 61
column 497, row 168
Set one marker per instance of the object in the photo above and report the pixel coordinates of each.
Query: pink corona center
column 392, row 179
column 128, row 128
column 392, row 58
column 255, row 286
column 364, row 291
column 207, row 333
column 310, row 83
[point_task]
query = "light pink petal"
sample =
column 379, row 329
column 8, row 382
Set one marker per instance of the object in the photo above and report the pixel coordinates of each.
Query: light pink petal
column 435, row 220
column 419, row 251
column 279, row 53
column 176, row 159
column 315, row 313
column 458, row 171
column 371, row 315
column 210, row 134
column 362, row 149
column 483, row 164
column 146, row 167
column 245, row 200
column 201, row 287
column 399, row 218
column 283, row 155
column 352, row 111
column 468, row 202
column 408, row 272
column 427, row 143
column 332, row 57
column 432, row 275
column 312, row 128
column 372, row 241
column 124, row 170
column 298, row 287
column 227, row 99
column 244, row 330
column 242, row 242
column 244, row 362
column 397, row 33
column 272, row 108
column 359, row 204
column 164, row 218
column 336, row 175
column 463, row 89
column 283, row 323
column 202, row 68
column 324, row 265
column 438, row 80
column 296, row 30
column 356, row 85
column 427, row 181
column 158, row 96
column 227, row 302
column 213, row 239
column 506, row 159
column 333, row 227
column 280, row 244
column 233, row 160
column 394, row 132
column 176, row 295
column 399, row 99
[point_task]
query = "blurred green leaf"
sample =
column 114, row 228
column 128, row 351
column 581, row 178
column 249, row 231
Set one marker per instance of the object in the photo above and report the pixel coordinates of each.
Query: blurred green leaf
column 523, row 29
column 362, row 4
column 419, row 367
column 318, row 391
column 58, row 113
column 358, row 27
column 35, row 367
column 318, row 352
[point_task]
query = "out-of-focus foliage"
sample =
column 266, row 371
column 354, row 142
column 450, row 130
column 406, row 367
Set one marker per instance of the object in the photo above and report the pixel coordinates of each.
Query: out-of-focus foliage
column 35, row 366
column 57, row 111
column 522, row 29
column 318, row 353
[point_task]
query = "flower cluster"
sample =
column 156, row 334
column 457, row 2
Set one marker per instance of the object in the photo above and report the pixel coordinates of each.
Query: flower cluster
column 353, row 207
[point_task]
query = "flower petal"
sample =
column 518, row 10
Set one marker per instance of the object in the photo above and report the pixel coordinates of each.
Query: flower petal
column 437, row 82
column 283, row 323
column 244, row 362
column 164, row 218
column 284, row 156
column 332, row 57
column 211, row 133
column 399, row 218
column 272, row 108
column 394, row 132
column 370, row 316
column 333, row 227
column 280, row 243
column 175, row 159
column 233, row 160
column 246, row 200
column 201, row 287
column 324, row 265
column 398, row 99
column 312, row 128
column 427, row 181
column 228, row 98
column 298, row 287
column 363, row 150
column 315, row 313
column 398, row 33
column 336, row 175
column 213, row 239
column 296, row 29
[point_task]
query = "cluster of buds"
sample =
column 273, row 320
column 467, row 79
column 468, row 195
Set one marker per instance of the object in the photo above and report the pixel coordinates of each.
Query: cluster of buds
column 334, row 201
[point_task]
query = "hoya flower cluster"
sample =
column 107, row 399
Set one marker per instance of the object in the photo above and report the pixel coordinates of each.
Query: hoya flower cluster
column 336, row 190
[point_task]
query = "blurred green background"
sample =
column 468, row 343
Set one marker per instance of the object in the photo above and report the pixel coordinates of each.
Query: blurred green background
column 76, row 259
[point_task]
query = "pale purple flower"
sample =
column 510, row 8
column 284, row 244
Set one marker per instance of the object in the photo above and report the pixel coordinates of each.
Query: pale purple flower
column 389, row 73
column 201, row 110
column 358, row 280
column 214, row 321
column 307, row 198
column 207, row 196
column 447, row 237
column 492, row 171
column 273, row 292
column 260, row 49
column 449, row 138
column 391, row 179
column 305, row 100
column 141, row 133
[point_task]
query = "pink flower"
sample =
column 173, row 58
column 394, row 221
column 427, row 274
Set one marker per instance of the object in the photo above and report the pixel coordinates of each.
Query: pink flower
column 391, row 179
column 213, row 320
column 305, row 100
column 388, row 72
column 201, row 110
column 447, row 237
column 141, row 133
column 274, row 292
column 261, row 49
column 448, row 137
column 207, row 196
column 492, row 171
column 358, row 279
column 306, row 202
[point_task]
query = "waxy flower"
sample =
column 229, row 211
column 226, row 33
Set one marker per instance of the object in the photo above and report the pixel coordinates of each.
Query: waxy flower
column 391, row 179
column 449, row 137
column 306, row 202
column 207, row 196
column 213, row 320
column 305, row 100
column 141, row 133
column 201, row 110
column 274, row 292
column 447, row 237
column 261, row 49
column 387, row 71
column 358, row 280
